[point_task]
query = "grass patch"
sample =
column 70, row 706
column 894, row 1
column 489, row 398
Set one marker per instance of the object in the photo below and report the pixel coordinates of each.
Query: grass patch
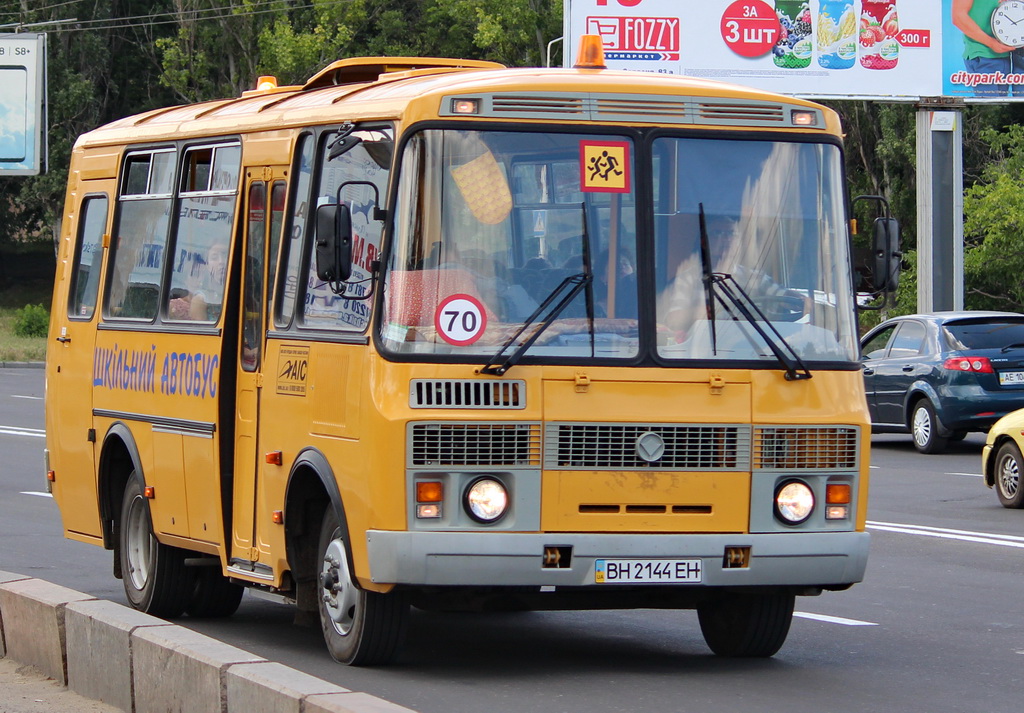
column 14, row 348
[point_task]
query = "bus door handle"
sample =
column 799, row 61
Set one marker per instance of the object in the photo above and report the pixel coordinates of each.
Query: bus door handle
column 64, row 340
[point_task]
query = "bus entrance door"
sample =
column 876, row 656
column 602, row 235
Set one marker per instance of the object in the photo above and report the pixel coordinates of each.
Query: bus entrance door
column 72, row 366
column 250, row 552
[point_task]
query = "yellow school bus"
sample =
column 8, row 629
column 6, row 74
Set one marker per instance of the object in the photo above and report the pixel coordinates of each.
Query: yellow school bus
column 437, row 333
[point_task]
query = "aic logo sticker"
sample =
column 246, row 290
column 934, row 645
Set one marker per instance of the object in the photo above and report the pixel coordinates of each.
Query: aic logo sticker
column 292, row 370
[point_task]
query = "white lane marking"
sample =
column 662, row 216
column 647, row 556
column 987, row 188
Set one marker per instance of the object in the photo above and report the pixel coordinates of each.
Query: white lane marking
column 984, row 538
column 969, row 475
column 36, row 493
column 19, row 431
column 34, row 398
column 833, row 619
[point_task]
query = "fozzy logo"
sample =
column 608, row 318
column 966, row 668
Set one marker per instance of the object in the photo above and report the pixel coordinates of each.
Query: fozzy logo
column 650, row 38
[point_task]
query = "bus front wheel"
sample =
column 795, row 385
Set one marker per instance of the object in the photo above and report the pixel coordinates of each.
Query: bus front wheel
column 155, row 578
column 360, row 628
column 746, row 625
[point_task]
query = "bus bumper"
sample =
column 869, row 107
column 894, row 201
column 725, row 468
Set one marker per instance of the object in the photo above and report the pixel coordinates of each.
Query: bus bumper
column 825, row 559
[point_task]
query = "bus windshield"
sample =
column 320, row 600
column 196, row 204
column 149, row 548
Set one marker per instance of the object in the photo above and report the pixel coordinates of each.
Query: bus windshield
column 526, row 243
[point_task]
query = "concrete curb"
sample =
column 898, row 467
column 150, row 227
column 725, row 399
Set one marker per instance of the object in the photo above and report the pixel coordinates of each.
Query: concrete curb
column 22, row 365
column 141, row 664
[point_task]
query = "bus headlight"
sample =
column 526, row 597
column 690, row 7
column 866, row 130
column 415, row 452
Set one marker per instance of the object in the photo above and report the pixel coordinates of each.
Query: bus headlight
column 486, row 500
column 794, row 502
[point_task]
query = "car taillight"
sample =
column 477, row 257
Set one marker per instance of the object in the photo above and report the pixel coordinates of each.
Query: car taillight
column 978, row 365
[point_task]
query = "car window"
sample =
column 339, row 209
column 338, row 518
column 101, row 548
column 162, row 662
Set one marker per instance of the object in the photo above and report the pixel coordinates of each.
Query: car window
column 874, row 348
column 909, row 341
column 985, row 334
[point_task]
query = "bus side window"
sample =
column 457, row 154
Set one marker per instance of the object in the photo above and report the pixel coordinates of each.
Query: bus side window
column 140, row 239
column 202, row 233
column 89, row 250
column 367, row 162
column 291, row 251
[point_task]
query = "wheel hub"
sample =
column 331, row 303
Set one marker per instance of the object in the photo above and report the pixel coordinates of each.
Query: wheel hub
column 338, row 594
column 1009, row 477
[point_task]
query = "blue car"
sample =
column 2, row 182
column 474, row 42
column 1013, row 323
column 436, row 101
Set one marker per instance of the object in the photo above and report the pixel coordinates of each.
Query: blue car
column 939, row 376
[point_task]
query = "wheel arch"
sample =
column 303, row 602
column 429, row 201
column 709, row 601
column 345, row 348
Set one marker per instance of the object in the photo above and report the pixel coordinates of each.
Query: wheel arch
column 989, row 473
column 119, row 458
column 311, row 489
column 918, row 391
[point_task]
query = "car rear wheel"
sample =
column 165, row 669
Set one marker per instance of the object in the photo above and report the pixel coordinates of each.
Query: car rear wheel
column 924, row 425
column 1007, row 476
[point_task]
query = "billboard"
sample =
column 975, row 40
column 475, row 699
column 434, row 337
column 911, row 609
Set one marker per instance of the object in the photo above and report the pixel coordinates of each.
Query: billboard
column 866, row 49
column 22, row 90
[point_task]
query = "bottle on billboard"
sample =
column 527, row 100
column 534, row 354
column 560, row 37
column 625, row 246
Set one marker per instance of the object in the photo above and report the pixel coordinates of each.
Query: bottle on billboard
column 837, row 34
column 794, row 48
column 879, row 25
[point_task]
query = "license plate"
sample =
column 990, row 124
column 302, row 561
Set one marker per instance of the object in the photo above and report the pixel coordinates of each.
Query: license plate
column 1011, row 377
column 648, row 572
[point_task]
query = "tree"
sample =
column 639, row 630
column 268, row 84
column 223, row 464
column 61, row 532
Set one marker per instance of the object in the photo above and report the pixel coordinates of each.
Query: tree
column 994, row 226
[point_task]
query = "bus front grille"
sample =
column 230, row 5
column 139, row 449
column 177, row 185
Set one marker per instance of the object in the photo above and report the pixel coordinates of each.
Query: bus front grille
column 467, row 393
column 453, row 445
column 615, row 446
column 806, row 448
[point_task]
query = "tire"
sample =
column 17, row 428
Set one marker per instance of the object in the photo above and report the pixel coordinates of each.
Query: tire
column 925, row 427
column 155, row 578
column 746, row 625
column 1008, row 468
column 360, row 628
column 213, row 595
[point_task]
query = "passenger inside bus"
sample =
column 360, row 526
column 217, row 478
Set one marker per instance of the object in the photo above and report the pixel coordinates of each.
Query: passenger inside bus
column 202, row 299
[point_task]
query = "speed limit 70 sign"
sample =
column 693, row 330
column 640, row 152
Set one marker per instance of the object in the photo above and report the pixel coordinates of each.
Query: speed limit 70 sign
column 460, row 319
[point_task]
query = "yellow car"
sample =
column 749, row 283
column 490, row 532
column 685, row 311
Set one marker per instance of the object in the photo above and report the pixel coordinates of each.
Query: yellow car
column 1001, row 460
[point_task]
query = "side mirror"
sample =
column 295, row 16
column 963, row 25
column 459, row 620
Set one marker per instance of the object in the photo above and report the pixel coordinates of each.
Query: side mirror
column 885, row 246
column 333, row 242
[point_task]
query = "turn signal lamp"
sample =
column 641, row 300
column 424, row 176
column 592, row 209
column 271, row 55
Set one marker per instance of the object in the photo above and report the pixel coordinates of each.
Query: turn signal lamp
column 429, row 492
column 274, row 458
column 591, row 53
column 837, row 501
column 149, row 492
column 837, row 493
column 429, row 496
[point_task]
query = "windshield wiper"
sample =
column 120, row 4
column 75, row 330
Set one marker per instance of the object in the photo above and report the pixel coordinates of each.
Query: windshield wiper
column 578, row 282
column 1011, row 347
column 708, row 277
column 729, row 289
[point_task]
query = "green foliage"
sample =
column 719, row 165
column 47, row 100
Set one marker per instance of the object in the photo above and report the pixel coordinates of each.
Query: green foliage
column 994, row 226
column 31, row 321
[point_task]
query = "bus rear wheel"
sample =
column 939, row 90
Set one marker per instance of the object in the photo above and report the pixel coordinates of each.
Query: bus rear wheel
column 360, row 628
column 214, row 595
column 746, row 625
column 155, row 578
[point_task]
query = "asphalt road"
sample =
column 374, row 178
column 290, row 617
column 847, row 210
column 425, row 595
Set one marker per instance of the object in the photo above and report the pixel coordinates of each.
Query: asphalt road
column 936, row 626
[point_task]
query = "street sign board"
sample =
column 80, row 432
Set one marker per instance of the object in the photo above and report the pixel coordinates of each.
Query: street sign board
column 895, row 50
column 22, row 93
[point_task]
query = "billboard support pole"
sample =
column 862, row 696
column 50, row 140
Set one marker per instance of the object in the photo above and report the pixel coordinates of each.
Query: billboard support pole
column 940, row 210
